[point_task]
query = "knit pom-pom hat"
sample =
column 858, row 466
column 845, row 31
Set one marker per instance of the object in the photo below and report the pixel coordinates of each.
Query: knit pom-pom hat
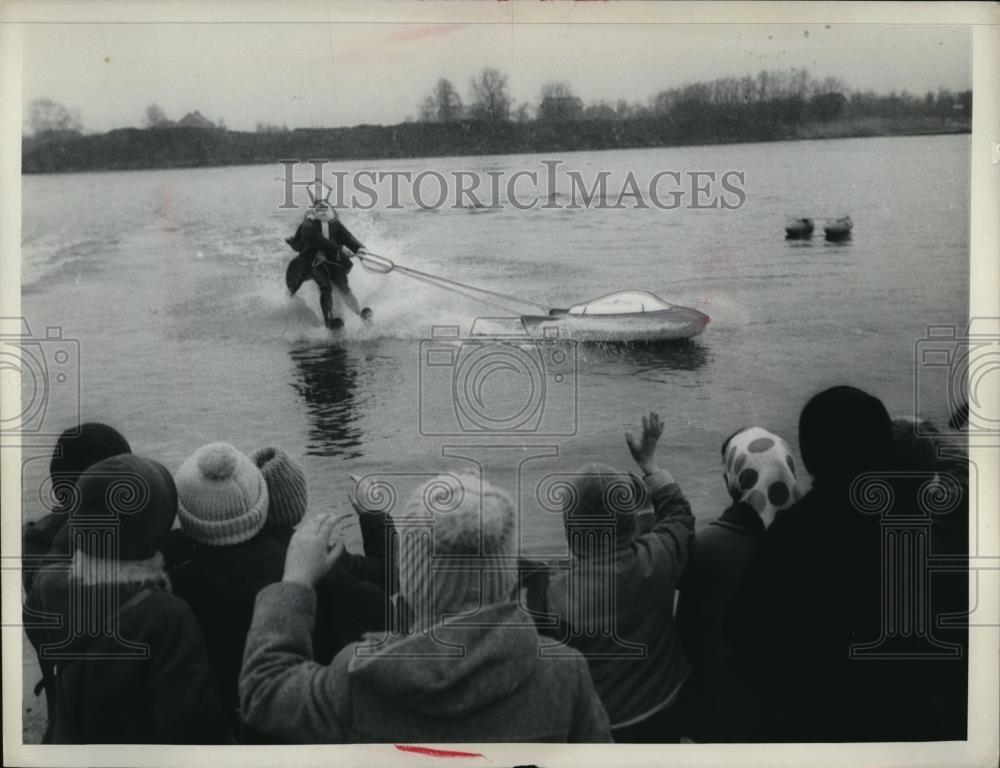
column 286, row 487
column 470, row 520
column 222, row 496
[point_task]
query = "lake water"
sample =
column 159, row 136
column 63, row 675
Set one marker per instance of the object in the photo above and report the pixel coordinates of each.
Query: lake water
column 173, row 284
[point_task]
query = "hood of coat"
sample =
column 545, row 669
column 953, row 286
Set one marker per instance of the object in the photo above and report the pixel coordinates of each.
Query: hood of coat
column 453, row 670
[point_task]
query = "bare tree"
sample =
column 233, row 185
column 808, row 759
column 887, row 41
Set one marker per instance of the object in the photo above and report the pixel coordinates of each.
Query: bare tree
column 271, row 128
column 522, row 114
column 443, row 105
column 489, row 96
column 600, row 110
column 48, row 116
column 428, row 110
column 799, row 84
column 829, row 85
column 559, row 103
column 556, row 90
column 157, row 118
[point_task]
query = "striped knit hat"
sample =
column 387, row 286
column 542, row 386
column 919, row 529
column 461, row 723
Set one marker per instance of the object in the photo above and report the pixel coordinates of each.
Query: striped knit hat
column 222, row 496
column 469, row 520
column 286, row 487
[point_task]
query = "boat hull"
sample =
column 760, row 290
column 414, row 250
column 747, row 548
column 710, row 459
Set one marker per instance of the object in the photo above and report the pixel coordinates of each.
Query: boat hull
column 839, row 229
column 664, row 325
column 837, row 233
column 800, row 229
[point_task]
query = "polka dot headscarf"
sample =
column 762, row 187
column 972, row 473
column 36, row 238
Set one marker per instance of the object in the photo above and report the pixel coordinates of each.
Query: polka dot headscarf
column 759, row 470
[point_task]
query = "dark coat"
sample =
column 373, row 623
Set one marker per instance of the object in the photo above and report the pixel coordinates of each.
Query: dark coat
column 719, row 557
column 41, row 541
column 813, row 595
column 378, row 539
column 354, row 595
column 167, row 697
column 309, row 240
column 220, row 584
column 353, row 598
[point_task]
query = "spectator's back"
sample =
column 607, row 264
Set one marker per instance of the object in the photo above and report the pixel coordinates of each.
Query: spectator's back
column 616, row 602
column 223, row 508
column 469, row 671
column 163, row 690
column 760, row 478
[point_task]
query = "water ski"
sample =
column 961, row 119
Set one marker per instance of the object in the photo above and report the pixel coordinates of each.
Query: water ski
column 337, row 323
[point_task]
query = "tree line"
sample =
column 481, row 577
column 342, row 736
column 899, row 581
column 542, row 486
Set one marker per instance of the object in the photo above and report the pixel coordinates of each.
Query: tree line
column 772, row 106
column 789, row 97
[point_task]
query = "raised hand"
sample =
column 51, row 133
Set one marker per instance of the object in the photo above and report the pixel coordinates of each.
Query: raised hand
column 313, row 550
column 644, row 451
column 361, row 509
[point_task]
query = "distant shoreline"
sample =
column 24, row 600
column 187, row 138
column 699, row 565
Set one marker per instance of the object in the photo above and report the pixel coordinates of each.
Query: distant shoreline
column 170, row 148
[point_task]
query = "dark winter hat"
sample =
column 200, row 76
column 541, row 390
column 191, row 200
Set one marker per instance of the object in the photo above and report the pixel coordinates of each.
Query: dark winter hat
column 844, row 431
column 81, row 447
column 286, row 487
column 600, row 497
column 135, row 494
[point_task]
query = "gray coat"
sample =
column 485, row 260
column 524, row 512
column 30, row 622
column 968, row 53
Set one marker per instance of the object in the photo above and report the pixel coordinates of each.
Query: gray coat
column 500, row 690
column 639, row 666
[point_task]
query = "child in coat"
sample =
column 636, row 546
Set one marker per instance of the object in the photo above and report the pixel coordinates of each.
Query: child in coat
column 130, row 661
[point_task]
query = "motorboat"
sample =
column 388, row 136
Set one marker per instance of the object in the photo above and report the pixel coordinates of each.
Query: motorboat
column 799, row 229
column 623, row 316
column 839, row 229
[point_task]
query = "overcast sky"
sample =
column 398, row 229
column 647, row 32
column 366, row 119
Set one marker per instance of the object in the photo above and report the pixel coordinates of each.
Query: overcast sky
column 318, row 74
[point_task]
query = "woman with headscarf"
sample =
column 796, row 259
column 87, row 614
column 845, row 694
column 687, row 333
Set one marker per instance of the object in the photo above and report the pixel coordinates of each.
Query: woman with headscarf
column 760, row 476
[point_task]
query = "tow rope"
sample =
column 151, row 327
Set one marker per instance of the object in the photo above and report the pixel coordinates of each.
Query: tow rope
column 382, row 265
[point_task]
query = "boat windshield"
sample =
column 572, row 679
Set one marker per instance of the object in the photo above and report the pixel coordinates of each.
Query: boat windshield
column 621, row 303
